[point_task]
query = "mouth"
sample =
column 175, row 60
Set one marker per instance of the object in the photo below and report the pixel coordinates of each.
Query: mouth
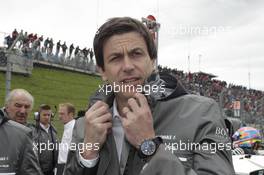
column 131, row 80
column 20, row 118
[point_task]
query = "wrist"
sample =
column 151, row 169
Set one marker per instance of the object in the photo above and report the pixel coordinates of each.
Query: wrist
column 148, row 137
column 89, row 154
column 149, row 147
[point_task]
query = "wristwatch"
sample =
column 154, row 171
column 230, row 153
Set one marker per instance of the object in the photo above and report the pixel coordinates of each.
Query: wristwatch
column 149, row 147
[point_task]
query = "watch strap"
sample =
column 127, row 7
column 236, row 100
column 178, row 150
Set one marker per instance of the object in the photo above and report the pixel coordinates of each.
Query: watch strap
column 157, row 141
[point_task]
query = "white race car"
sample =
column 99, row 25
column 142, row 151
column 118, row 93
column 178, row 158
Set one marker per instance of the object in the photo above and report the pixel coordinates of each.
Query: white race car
column 248, row 164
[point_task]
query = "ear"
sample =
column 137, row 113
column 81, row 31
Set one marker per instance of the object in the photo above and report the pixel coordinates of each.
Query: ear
column 102, row 73
column 71, row 115
column 153, row 64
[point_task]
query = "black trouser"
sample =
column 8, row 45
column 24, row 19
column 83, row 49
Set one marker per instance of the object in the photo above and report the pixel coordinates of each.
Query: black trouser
column 60, row 168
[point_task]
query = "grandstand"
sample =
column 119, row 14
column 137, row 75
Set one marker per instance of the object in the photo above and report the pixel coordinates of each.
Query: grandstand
column 234, row 101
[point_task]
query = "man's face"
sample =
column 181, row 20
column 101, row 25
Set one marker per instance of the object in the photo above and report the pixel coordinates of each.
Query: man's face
column 45, row 116
column 126, row 62
column 19, row 108
column 64, row 116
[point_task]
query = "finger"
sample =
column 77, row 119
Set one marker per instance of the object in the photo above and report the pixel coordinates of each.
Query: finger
column 125, row 110
column 123, row 120
column 133, row 104
column 97, row 105
column 107, row 125
column 104, row 118
column 100, row 111
column 97, row 112
column 128, row 117
column 141, row 99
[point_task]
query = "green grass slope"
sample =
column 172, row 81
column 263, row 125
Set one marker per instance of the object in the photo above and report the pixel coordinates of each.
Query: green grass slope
column 52, row 86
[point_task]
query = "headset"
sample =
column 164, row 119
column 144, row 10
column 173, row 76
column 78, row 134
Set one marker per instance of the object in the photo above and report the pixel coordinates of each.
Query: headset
column 37, row 114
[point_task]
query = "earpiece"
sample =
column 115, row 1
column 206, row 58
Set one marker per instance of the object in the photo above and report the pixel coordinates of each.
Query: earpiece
column 36, row 116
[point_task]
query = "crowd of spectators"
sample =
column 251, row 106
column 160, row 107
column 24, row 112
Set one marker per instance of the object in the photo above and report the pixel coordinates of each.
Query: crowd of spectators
column 33, row 46
column 251, row 100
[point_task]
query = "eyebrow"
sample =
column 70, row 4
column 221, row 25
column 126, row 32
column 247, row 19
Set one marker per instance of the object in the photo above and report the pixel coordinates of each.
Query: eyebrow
column 26, row 105
column 115, row 54
column 136, row 49
column 129, row 52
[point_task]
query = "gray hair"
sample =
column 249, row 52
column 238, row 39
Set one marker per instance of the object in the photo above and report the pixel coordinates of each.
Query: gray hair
column 16, row 92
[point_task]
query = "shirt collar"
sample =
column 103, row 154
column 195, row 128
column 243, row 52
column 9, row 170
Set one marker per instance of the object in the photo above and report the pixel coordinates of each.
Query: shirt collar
column 70, row 124
column 115, row 111
column 43, row 127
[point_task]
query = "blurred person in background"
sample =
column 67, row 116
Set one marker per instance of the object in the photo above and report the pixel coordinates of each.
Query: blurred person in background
column 45, row 137
column 16, row 146
column 247, row 138
column 66, row 116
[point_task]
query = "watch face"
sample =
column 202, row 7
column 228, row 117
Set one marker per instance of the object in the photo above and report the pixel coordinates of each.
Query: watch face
column 148, row 147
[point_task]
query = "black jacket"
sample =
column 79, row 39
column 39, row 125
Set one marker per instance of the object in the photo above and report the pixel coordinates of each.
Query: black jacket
column 48, row 156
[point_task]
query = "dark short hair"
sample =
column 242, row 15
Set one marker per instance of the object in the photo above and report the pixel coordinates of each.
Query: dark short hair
column 117, row 26
column 44, row 107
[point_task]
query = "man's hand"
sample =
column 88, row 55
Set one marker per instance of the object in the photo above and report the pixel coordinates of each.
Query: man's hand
column 98, row 120
column 137, row 120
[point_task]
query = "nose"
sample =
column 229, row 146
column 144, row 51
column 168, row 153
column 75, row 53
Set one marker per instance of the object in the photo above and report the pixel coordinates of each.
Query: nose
column 128, row 65
column 23, row 109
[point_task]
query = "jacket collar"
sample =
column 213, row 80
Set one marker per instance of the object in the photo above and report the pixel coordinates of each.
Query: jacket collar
column 171, row 88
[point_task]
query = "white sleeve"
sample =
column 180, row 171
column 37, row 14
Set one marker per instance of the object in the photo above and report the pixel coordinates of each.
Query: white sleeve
column 88, row 163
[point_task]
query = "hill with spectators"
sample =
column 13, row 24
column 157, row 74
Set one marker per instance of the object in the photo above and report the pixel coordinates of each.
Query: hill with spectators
column 52, row 86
